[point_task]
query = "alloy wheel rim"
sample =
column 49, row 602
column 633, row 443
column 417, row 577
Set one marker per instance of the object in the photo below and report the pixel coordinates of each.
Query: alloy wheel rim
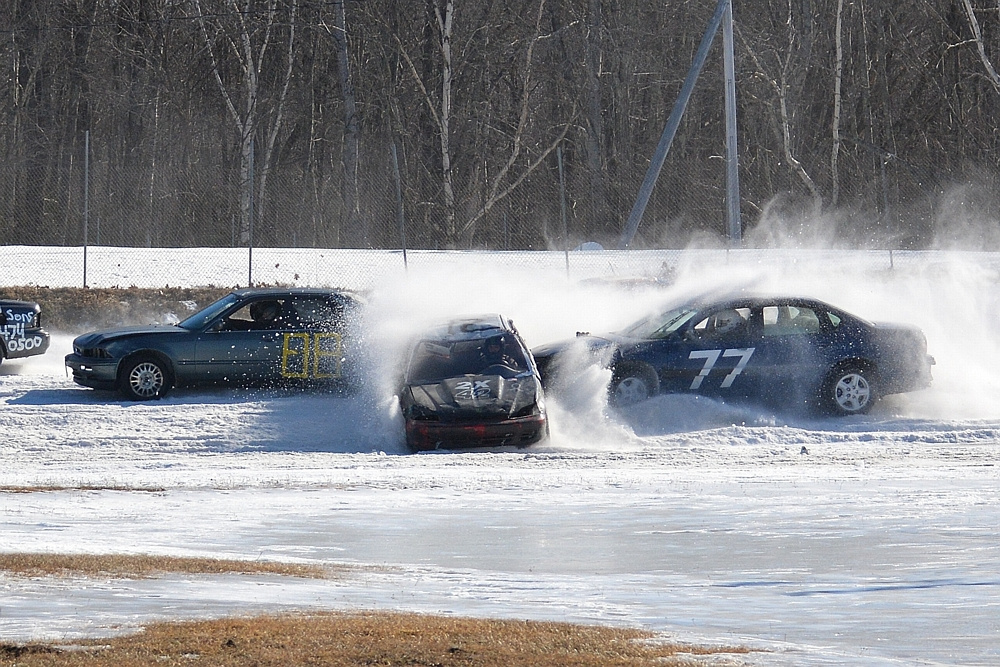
column 146, row 379
column 852, row 392
column 630, row 391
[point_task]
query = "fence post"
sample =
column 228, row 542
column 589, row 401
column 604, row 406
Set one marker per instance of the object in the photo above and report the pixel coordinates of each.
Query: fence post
column 250, row 224
column 86, row 200
column 562, row 207
column 399, row 203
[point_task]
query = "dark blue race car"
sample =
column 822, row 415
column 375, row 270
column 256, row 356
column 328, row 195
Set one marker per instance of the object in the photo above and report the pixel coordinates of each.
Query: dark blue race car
column 777, row 350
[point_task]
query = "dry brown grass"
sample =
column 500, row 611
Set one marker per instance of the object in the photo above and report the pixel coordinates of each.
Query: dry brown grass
column 333, row 639
column 48, row 488
column 354, row 639
column 124, row 566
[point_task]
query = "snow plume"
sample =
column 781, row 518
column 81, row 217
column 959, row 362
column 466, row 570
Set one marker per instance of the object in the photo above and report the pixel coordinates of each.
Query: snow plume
column 967, row 216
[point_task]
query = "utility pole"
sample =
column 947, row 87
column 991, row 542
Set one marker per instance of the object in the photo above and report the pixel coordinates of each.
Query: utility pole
column 723, row 14
column 735, row 225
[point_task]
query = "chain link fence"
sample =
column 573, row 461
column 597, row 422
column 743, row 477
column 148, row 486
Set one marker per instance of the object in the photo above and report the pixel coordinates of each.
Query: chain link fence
column 117, row 267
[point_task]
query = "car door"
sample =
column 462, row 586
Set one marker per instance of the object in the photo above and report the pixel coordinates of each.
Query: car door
column 312, row 345
column 711, row 355
column 792, row 349
column 242, row 346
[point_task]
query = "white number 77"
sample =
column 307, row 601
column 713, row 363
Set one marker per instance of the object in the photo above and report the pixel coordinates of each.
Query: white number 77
column 712, row 356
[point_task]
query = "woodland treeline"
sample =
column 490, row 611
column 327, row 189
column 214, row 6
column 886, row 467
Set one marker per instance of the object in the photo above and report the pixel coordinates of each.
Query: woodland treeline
column 474, row 123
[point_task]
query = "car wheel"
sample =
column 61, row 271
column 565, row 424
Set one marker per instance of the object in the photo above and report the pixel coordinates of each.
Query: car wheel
column 144, row 378
column 631, row 385
column 849, row 390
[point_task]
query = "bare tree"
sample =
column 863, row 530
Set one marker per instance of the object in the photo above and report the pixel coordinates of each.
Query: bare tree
column 248, row 45
column 838, row 77
column 357, row 231
column 977, row 36
column 793, row 64
column 513, row 171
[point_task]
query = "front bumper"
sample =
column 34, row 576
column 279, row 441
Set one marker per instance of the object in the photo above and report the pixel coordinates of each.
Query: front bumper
column 422, row 435
column 93, row 373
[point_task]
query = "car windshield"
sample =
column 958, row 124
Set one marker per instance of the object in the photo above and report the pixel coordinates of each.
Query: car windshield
column 200, row 319
column 662, row 324
column 433, row 361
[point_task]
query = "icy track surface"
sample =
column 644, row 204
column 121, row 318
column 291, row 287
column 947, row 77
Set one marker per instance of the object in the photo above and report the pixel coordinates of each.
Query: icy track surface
column 869, row 540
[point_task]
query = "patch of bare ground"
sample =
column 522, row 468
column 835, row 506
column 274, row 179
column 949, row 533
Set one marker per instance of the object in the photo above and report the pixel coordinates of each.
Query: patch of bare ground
column 356, row 639
column 83, row 487
column 126, row 566
column 334, row 639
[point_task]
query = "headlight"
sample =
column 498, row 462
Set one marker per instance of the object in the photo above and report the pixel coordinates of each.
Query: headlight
column 92, row 352
column 526, row 398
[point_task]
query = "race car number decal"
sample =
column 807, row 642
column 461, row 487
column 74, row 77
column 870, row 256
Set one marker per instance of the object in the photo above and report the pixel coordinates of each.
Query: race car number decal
column 472, row 389
column 302, row 355
column 17, row 339
column 712, row 356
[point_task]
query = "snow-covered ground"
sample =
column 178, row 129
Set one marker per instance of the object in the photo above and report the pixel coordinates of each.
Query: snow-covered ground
column 869, row 540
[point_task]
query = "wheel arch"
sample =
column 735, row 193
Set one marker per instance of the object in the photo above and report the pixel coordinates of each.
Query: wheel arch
column 634, row 368
column 867, row 368
column 864, row 363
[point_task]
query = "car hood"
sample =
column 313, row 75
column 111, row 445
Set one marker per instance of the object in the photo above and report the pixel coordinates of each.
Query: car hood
column 474, row 396
column 588, row 341
column 95, row 338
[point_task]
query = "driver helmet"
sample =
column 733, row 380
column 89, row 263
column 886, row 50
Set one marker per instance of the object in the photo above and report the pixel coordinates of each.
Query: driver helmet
column 494, row 347
column 264, row 311
column 727, row 320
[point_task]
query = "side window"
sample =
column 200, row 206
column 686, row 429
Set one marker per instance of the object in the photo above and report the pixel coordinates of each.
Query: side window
column 790, row 321
column 256, row 316
column 722, row 323
column 315, row 312
column 834, row 320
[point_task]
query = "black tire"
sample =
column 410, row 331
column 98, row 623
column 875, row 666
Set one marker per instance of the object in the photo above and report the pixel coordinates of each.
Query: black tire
column 631, row 384
column 850, row 389
column 144, row 378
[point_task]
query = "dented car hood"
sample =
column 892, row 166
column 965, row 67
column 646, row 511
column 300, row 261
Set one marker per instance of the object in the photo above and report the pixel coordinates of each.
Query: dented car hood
column 96, row 338
column 475, row 396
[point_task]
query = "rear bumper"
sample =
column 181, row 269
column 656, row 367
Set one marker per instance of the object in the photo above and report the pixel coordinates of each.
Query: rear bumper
column 427, row 435
column 93, row 373
column 913, row 378
column 27, row 343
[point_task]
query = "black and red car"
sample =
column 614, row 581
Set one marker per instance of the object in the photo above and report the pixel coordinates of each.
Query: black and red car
column 471, row 383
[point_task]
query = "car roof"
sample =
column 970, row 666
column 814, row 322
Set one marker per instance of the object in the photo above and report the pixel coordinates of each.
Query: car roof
column 288, row 291
column 476, row 327
column 751, row 299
